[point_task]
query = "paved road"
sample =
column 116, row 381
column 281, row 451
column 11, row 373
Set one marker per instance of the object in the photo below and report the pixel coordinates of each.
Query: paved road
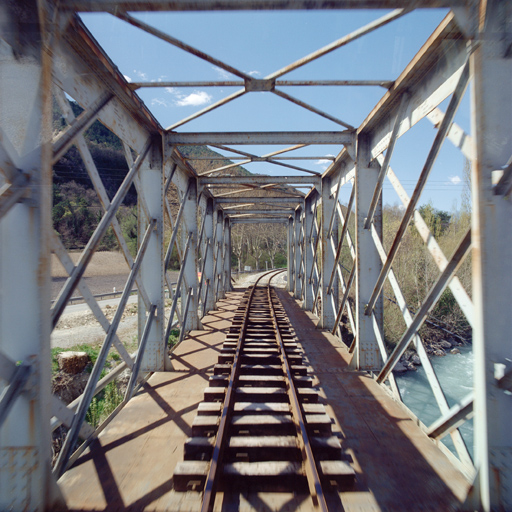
column 100, row 284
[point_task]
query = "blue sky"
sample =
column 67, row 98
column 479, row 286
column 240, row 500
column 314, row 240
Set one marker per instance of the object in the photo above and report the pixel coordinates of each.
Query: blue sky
column 259, row 43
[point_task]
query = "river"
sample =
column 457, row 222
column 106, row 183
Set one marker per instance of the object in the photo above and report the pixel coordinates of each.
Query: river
column 455, row 374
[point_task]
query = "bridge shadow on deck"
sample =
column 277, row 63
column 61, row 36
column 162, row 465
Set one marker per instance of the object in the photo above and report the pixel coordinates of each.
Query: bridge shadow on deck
column 130, row 466
column 398, row 467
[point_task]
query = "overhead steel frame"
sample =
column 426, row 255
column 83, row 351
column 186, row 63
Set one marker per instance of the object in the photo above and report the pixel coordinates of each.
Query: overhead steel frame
column 472, row 42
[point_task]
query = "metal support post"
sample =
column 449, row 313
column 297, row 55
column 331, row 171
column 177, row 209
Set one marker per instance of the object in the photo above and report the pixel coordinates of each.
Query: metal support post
column 191, row 267
column 219, row 262
column 227, row 255
column 367, row 355
column 329, row 301
column 152, row 266
column 308, row 252
column 209, row 298
column 491, row 67
column 290, row 258
column 26, row 482
column 298, row 253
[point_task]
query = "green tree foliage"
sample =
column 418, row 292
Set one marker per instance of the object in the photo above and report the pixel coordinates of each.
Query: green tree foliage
column 416, row 271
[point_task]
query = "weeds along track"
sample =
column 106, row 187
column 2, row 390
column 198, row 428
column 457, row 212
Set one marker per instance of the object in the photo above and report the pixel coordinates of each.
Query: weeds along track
column 261, row 426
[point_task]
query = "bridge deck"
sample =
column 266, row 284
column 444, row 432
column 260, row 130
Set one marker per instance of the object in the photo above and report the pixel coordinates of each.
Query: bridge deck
column 131, row 464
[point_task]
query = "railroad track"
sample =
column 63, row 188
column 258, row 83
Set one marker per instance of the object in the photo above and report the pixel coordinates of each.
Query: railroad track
column 261, row 426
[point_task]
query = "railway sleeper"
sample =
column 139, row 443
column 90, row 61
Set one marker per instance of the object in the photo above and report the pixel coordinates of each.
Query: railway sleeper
column 262, row 448
column 259, row 369
column 215, row 408
column 262, row 380
column 268, row 475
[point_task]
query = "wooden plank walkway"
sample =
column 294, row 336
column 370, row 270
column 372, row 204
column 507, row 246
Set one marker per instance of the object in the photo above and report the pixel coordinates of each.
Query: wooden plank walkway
column 130, row 466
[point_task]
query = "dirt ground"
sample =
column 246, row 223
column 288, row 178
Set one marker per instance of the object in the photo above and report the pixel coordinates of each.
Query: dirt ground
column 81, row 327
column 106, row 271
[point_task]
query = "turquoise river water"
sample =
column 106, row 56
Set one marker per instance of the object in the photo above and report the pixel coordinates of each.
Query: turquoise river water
column 455, row 374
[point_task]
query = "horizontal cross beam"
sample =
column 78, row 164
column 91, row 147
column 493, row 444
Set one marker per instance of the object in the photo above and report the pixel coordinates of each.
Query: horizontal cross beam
column 259, row 180
column 237, row 5
column 284, row 211
column 260, row 220
column 256, row 200
column 286, row 83
column 255, row 138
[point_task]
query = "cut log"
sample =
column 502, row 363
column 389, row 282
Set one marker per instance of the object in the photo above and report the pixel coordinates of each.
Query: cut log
column 72, row 362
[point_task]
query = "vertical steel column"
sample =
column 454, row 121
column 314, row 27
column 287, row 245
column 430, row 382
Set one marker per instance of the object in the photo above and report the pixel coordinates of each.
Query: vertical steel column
column 209, row 274
column 26, row 481
column 191, row 266
column 289, row 256
column 308, row 251
column 298, row 253
column 367, row 355
column 219, row 253
column 152, row 266
column 227, row 255
column 329, row 305
column 491, row 67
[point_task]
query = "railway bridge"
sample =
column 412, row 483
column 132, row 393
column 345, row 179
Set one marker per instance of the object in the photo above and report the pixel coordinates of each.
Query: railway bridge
column 49, row 56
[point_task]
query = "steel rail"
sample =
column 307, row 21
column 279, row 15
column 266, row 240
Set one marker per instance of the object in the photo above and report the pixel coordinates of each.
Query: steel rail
column 218, row 451
column 313, row 478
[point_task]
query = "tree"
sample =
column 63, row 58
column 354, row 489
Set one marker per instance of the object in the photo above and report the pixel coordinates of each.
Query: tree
column 238, row 239
column 275, row 237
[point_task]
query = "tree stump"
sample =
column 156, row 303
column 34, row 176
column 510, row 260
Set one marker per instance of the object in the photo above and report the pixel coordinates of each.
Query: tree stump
column 72, row 362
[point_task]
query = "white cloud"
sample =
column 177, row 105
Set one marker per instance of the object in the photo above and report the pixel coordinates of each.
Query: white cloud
column 171, row 90
column 140, row 74
column 127, row 78
column 254, row 73
column 323, row 164
column 222, row 73
column 160, row 101
column 455, row 180
column 194, row 99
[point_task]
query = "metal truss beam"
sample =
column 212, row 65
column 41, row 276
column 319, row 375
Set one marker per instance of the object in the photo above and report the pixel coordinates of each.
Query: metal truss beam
column 238, row 213
column 255, row 138
column 457, row 415
column 260, row 220
column 285, row 83
column 259, row 180
column 446, row 53
column 237, row 5
column 491, row 103
column 429, row 163
column 261, row 200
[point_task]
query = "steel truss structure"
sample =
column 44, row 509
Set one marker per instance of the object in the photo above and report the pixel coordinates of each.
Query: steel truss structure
column 47, row 53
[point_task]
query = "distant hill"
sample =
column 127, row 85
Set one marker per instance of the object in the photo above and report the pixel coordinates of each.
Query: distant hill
column 206, row 165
